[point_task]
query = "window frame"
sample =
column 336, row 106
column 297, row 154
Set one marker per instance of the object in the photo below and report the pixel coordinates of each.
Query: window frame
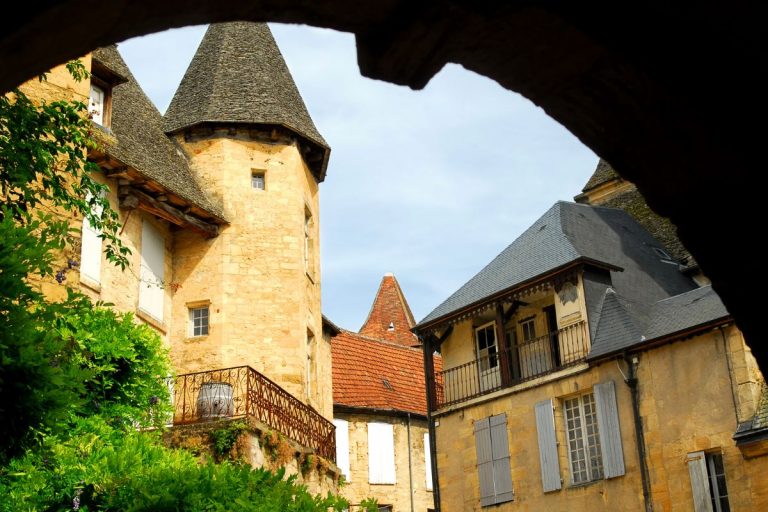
column 106, row 89
column 259, row 173
column 589, row 441
column 207, row 317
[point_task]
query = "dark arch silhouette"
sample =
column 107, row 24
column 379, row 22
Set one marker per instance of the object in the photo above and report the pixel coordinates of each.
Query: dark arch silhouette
column 671, row 96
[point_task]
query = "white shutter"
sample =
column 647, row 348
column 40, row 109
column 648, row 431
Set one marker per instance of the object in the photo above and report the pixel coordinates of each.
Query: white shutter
column 96, row 104
column 151, row 292
column 608, row 427
column 90, row 247
column 697, row 468
column 485, row 462
column 342, row 446
column 381, row 453
column 545, row 429
column 428, row 461
column 502, row 474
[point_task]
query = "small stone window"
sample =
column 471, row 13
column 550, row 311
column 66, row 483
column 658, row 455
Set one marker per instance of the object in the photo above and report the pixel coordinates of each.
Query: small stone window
column 258, row 180
column 198, row 321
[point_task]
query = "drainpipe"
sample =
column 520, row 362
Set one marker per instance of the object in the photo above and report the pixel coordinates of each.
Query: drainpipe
column 429, row 376
column 632, row 382
column 410, row 463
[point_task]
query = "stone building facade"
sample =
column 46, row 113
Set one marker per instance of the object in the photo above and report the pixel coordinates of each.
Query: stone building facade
column 219, row 205
column 585, row 369
column 379, row 404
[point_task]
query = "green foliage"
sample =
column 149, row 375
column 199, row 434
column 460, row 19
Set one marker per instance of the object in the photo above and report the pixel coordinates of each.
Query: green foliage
column 369, row 505
column 225, row 437
column 43, row 165
column 100, row 468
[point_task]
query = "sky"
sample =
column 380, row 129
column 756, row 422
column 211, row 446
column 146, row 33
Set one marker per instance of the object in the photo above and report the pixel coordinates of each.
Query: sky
column 429, row 185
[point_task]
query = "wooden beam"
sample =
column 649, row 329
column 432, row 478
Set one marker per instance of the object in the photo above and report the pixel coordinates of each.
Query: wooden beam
column 504, row 350
column 171, row 214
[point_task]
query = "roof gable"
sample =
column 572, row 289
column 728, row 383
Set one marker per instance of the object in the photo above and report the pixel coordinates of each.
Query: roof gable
column 140, row 140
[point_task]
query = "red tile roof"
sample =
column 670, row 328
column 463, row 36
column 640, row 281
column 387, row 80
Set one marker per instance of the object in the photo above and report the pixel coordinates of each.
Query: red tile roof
column 390, row 317
column 378, row 374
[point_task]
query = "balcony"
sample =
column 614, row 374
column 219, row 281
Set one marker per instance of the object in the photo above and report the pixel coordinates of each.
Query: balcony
column 525, row 361
column 243, row 392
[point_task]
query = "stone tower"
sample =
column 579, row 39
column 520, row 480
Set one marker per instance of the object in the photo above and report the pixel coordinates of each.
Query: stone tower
column 240, row 120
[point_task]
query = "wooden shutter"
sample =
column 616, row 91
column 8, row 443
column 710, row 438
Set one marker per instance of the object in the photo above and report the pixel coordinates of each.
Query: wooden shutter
column 608, row 426
column 545, row 428
column 90, row 248
column 342, row 446
column 485, row 461
column 381, row 453
column 428, row 461
column 697, row 468
column 151, row 292
column 502, row 475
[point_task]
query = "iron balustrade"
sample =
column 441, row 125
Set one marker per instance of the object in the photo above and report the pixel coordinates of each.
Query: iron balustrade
column 243, row 392
column 525, row 361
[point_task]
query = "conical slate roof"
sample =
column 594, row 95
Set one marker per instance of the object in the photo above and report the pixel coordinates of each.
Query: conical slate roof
column 390, row 317
column 238, row 75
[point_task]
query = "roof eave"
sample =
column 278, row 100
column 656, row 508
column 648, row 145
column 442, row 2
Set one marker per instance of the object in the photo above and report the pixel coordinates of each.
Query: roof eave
column 392, row 412
column 661, row 340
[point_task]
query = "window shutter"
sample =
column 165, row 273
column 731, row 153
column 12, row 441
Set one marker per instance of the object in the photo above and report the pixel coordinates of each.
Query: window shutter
column 484, row 461
column 428, row 461
column 502, row 474
column 381, row 453
column 151, row 292
column 697, row 468
column 90, row 248
column 545, row 428
column 342, row 446
column 608, row 426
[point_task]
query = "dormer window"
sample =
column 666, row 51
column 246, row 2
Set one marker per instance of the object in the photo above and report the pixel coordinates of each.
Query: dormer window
column 100, row 102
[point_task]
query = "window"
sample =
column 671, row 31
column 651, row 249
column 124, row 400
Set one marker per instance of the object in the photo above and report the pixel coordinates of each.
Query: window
column 381, row 453
column 310, row 370
column 258, row 180
column 428, row 461
column 529, row 328
column 90, row 247
column 707, row 472
column 100, row 101
column 308, row 244
column 593, row 437
column 493, row 468
column 584, row 454
column 342, row 446
column 152, row 272
column 198, row 321
column 487, row 355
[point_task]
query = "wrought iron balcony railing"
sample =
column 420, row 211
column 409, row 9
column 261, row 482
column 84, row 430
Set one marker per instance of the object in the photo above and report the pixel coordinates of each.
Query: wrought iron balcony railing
column 525, row 361
column 243, row 392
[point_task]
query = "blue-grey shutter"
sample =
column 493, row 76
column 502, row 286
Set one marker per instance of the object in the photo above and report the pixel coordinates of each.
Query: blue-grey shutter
column 697, row 468
column 502, row 474
column 484, row 462
column 610, row 433
column 545, row 428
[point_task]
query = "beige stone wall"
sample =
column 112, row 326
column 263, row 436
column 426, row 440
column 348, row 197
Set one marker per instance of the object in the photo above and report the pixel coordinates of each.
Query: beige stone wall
column 687, row 405
column 358, row 488
column 264, row 303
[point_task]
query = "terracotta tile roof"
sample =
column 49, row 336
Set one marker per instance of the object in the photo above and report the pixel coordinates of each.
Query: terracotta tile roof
column 377, row 374
column 390, row 317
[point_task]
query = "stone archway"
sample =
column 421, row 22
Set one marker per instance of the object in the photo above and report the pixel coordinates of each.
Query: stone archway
column 669, row 95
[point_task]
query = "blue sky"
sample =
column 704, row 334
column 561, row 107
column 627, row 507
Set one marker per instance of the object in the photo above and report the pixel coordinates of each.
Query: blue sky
column 429, row 185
